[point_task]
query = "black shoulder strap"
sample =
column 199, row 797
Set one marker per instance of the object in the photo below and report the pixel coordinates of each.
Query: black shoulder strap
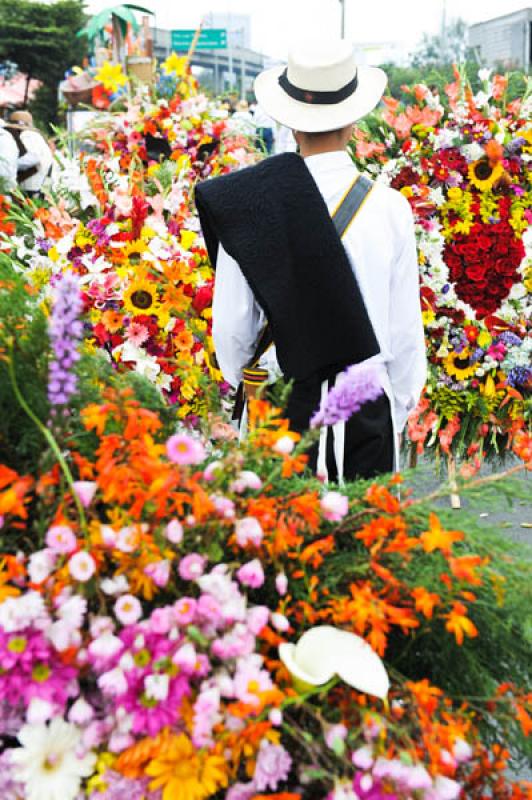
column 351, row 203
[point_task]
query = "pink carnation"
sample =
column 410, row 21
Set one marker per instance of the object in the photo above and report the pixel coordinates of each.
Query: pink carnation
column 251, row 574
column 248, row 530
column 334, row 506
column 82, row 566
column 61, row 539
column 191, row 567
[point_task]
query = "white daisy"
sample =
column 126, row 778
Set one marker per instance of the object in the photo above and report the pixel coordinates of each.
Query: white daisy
column 49, row 762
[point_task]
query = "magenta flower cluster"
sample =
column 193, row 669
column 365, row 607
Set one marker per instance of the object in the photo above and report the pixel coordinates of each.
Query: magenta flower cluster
column 359, row 384
column 65, row 331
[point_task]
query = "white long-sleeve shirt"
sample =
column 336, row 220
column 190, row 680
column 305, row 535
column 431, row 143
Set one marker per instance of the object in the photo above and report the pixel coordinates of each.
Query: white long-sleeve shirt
column 381, row 248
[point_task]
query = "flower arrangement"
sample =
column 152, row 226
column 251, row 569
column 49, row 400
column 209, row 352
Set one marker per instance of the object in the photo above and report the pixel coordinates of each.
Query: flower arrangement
column 185, row 617
column 465, row 169
column 122, row 219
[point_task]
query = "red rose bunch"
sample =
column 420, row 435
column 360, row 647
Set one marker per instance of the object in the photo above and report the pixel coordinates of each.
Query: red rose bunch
column 483, row 264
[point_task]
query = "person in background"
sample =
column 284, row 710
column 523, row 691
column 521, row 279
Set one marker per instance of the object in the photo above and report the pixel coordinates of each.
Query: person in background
column 284, row 140
column 265, row 129
column 11, row 162
column 244, row 118
column 30, row 142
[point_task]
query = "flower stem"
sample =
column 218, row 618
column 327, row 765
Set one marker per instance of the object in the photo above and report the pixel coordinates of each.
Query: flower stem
column 49, row 438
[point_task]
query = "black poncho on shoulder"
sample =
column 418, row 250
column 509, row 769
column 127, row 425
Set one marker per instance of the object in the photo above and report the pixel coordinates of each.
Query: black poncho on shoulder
column 272, row 219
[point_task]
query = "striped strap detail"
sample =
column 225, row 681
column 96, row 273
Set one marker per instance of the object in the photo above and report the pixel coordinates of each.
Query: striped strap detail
column 254, row 376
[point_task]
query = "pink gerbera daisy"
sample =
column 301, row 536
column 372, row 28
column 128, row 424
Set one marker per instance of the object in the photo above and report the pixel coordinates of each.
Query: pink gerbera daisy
column 137, row 333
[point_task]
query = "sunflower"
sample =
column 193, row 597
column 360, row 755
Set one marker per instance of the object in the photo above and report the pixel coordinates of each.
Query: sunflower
column 459, row 365
column 484, row 175
column 140, row 297
column 185, row 773
column 133, row 251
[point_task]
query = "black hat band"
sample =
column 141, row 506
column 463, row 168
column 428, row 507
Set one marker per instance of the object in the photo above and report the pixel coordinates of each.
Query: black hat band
column 317, row 98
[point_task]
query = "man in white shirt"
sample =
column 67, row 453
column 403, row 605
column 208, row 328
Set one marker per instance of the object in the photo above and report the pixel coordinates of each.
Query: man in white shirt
column 30, row 142
column 319, row 96
column 10, row 160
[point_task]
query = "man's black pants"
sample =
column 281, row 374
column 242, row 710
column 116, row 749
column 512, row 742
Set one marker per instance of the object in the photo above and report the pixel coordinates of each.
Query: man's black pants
column 369, row 444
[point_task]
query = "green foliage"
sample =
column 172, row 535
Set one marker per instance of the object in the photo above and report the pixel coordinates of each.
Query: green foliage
column 23, row 339
column 24, row 342
column 41, row 39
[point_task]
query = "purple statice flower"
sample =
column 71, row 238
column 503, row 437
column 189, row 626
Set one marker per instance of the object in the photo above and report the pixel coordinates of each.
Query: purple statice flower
column 10, row 789
column 509, row 339
column 65, row 331
column 359, row 384
column 43, row 244
column 273, row 766
column 519, row 376
column 516, row 144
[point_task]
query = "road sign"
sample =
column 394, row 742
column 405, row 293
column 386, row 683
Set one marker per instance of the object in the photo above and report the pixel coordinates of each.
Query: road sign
column 209, row 39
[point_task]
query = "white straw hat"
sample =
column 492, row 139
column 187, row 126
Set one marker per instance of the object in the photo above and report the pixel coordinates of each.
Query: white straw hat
column 321, row 88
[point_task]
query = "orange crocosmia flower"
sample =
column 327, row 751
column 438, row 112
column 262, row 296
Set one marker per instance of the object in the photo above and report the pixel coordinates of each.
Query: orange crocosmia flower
column 459, row 624
column 379, row 497
column 277, row 796
column 436, row 538
column 464, row 568
column 307, row 507
column 524, row 718
column 427, row 696
column 425, row 601
column 314, row 553
column 13, row 500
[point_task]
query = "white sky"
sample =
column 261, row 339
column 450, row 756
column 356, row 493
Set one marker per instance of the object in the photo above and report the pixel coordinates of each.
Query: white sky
column 276, row 22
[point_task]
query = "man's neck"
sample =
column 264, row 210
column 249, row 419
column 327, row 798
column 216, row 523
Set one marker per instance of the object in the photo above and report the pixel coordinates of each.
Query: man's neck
column 319, row 149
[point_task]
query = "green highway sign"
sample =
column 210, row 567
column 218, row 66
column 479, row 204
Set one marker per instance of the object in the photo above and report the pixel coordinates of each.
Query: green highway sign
column 209, row 39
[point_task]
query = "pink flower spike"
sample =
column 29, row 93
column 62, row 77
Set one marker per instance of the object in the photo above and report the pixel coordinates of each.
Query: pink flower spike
column 82, row 566
column 281, row 583
column 251, row 574
column 61, row 539
column 334, row 506
column 85, row 491
column 128, row 609
column 184, row 450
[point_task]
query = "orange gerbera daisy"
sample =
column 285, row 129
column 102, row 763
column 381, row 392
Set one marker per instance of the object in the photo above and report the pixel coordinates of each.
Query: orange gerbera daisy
column 185, row 773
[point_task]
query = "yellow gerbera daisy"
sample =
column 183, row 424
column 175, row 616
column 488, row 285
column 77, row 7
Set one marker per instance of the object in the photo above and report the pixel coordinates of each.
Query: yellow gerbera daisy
column 484, row 175
column 459, row 365
column 140, row 297
column 185, row 773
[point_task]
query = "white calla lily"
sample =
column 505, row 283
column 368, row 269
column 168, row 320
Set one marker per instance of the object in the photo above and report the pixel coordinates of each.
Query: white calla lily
column 324, row 651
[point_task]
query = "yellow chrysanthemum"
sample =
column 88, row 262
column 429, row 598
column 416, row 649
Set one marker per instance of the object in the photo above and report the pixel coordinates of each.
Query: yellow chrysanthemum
column 111, row 76
column 185, row 773
column 459, row 365
column 484, row 175
column 428, row 316
column 140, row 297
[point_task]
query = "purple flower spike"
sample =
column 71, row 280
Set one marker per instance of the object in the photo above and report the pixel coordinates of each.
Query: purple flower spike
column 65, row 331
column 359, row 384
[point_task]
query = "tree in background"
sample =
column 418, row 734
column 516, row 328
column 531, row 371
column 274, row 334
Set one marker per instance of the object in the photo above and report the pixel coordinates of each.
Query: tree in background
column 41, row 39
column 451, row 45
